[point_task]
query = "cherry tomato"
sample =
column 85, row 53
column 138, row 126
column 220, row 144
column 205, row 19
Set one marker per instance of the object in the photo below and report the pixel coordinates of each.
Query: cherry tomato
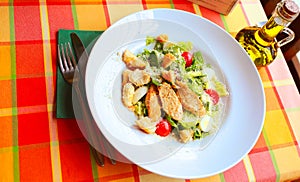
column 214, row 95
column 163, row 128
column 188, row 57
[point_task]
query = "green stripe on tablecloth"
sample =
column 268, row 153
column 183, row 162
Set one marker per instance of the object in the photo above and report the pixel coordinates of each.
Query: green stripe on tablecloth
column 15, row 148
column 172, row 4
column 292, row 109
column 225, row 23
column 74, row 14
column 272, row 155
column 8, row 149
column 94, row 166
column 222, row 178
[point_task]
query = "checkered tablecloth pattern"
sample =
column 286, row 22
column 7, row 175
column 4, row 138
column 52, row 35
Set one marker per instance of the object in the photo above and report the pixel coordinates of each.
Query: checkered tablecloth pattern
column 36, row 146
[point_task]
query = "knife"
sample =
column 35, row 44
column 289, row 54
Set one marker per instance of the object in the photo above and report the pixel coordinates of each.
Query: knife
column 82, row 56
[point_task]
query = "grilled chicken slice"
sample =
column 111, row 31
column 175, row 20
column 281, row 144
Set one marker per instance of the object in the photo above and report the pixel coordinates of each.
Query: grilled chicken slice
column 139, row 77
column 145, row 124
column 125, row 76
column 170, row 102
column 153, row 104
column 132, row 61
column 127, row 94
column 139, row 93
column 186, row 135
column 168, row 60
column 169, row 76
column 190, row 100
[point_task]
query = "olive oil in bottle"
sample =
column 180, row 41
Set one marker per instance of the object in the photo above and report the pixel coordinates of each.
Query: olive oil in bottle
column 260, row 42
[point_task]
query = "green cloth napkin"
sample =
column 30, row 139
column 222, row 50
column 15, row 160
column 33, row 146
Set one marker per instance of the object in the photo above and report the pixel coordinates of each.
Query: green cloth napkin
column 64, row 107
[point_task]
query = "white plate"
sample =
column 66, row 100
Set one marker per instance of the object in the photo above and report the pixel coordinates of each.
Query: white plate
column 245, row 111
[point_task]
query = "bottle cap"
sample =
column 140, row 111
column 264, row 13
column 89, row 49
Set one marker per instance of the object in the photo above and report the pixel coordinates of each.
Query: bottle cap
column 289, row 10
column 291, row 7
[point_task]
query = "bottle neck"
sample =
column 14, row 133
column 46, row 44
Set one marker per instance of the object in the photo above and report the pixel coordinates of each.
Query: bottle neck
column 266, row 35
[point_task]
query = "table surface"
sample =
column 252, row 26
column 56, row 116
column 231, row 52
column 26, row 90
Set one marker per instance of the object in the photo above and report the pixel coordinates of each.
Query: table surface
column 36, row 146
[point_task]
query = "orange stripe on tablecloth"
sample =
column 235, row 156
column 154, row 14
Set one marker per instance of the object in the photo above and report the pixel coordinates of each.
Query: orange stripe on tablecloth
column 117, row 177
column 26, row 110
column 6, row 128
column 260, row 145
column 90, row 17
column 284, row 145
column 6, row 167
column 5, row 43
column 5, row 3
column 5, row 75
column 6, row 93
column 276, row 131
column 144, row 171
column 4, row 24
column 150, row 4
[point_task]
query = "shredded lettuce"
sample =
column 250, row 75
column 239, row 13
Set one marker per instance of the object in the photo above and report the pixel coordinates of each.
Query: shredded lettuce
column 172, row 122
column 150, row 40
column 140, row 108
column 185, row 46
column 220, row 87
column 189, row 120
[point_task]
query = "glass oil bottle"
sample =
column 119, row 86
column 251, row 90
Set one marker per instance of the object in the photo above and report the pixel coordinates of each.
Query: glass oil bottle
column 260, row 42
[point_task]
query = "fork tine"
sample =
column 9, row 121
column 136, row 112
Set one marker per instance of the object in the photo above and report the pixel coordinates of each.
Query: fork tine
column 64, row 59
column 71, row 55
column 68, row 56
column 60, row 59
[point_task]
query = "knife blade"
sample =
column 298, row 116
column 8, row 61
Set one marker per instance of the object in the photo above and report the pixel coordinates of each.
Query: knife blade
column 81, row 54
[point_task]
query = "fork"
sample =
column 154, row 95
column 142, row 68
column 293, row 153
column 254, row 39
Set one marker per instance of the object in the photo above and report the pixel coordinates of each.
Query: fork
column 68, row 67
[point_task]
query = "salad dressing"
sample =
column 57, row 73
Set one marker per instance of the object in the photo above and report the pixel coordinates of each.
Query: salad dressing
column 260, row 42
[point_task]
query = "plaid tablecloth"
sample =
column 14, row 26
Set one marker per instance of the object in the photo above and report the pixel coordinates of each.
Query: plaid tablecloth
column 36, row 146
